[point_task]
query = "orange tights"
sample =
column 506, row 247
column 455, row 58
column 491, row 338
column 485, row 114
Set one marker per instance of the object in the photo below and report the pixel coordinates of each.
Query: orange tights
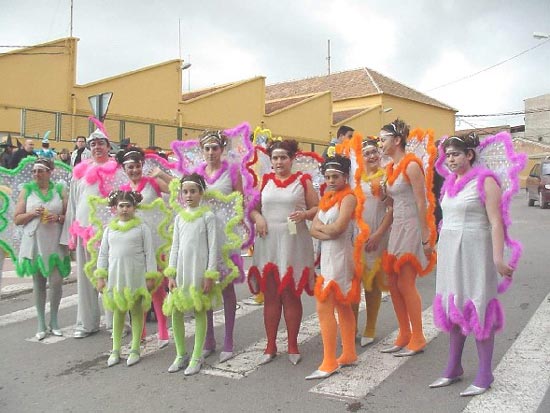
column 373, row 300
column 408, row 308
column 327, row 320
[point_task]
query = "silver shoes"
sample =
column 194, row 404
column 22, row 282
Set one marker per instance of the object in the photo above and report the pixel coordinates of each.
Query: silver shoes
column 294, row 358
column 319, row 374
column 133, row 358
column 114, row 358
column 365, row 341
column 266, row 358
column 163, row 343
column 207, row 353
column 57, row 332
column 444, row 382
column 225, row 355
column 393, row 349
column 408, row 353
column 179, row 363
column 473, row 390
column 193, row 368
column 41, row 335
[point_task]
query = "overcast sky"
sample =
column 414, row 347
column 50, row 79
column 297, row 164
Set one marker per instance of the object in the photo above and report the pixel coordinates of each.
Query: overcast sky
column 422, row 43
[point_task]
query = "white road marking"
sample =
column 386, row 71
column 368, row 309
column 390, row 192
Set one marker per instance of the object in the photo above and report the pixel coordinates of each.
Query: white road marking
column 248, row 360
column 30, row 312
column 522, row 377
column 356, row 382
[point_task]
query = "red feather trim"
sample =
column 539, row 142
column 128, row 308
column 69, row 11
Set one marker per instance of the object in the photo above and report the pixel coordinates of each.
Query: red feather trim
column 255, row 278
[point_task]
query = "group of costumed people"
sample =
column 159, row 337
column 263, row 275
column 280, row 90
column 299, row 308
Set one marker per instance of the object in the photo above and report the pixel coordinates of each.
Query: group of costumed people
column 169, row 234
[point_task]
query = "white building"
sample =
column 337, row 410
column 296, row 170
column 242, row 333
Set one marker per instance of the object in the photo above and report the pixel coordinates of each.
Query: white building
column 537, row 118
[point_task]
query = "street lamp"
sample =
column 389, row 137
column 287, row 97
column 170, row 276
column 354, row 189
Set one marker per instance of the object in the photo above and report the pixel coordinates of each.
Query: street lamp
column 541, row 35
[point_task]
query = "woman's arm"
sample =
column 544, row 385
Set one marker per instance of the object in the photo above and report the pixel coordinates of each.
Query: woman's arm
column 416, row 178
column 259, row 220
column 492, row 206
column 312, row 202
column 163, row 179
column 21, row 217
column 376, row 236
column 336, row 228
column 315, row 229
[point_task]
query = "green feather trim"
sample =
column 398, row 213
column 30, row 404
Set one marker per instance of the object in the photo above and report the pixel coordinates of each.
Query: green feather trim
column 164, row 230
column 191, row 299
column 170, row 272
column 233, row 241
column 212, row 275
column 124, row 300
column 186, row 215
column 100, row 273
column 32, row 186
column 124, row 226
column 153, row 275
column 28, row 267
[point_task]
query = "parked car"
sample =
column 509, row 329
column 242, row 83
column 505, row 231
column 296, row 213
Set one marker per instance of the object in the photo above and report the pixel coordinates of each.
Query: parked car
column 538, row 184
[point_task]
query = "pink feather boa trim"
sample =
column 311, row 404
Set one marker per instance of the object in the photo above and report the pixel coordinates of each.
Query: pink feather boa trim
column 468, row 318
column 78, row 231
column 451, row 188
column 94, row 173
column 144, row 181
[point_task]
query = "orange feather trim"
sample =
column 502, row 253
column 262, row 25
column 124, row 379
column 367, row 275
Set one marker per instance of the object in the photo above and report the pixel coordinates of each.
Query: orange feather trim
column 393, row 173
column 393, row 265
column 331, row 198
column 321, row 293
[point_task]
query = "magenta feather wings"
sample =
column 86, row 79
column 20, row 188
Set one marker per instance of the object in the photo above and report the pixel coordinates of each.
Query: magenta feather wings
column 495, row 157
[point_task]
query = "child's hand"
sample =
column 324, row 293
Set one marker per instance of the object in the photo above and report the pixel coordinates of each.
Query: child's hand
column 100, row 284
column 150, row 283
column 171, row 283
column 207, row 284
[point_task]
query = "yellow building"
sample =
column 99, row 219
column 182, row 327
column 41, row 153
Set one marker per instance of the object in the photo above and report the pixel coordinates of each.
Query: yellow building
column 39, row 93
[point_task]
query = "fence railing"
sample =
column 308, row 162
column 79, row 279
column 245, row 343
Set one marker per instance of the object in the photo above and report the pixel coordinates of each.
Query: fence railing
column 65, row 127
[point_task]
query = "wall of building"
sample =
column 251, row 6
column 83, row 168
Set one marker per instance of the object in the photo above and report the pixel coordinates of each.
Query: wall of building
column 537, row 125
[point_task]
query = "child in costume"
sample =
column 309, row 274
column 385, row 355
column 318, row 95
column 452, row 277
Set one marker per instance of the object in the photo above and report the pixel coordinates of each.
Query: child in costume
column 337, row 287
column 410, row 248
column 283, row 253
column 475, row 202
column 192, row 271
column 368, row 180
column 41, row 210
column 151, row 188
column 220, row 157
column 127, row 260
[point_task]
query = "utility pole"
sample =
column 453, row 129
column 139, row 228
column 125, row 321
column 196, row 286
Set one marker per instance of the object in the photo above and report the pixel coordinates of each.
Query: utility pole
column 328, row 56
column 71, row 30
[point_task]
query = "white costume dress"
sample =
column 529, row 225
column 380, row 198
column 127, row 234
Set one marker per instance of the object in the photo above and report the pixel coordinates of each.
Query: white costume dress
column 337, row 265
column 193, row 258
column 467, row 279
column 289, row 256
column 127, row 257
column 40, row 246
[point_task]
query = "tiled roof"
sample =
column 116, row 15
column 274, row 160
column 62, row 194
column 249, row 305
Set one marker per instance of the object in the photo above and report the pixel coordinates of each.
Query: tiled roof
column 197, row 93
column 273, row 106
column 484, row 131
column 350, row 84
column 338, row 117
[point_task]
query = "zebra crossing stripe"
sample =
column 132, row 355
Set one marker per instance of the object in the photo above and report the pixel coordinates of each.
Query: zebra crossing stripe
column 523, row 375
column 356, row 382
column 30, row 312
column 248, row 360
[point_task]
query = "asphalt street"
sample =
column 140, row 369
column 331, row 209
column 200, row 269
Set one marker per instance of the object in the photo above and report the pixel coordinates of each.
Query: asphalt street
column 69, row 375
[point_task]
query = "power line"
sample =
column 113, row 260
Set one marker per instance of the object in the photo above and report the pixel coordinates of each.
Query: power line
column 513, row 113
column 489, row 68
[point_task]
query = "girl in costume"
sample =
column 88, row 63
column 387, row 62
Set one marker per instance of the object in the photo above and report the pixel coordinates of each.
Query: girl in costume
column 225, row 178
column 283, row 253
column 338, row 285
column 192, row 271
column 369, row 177
column 473, row 235
column 410, row 247
column 151, row 188
column 41, row 210
column 127, row 260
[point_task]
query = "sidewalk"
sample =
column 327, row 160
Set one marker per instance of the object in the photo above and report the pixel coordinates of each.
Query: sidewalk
column 12, row 285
